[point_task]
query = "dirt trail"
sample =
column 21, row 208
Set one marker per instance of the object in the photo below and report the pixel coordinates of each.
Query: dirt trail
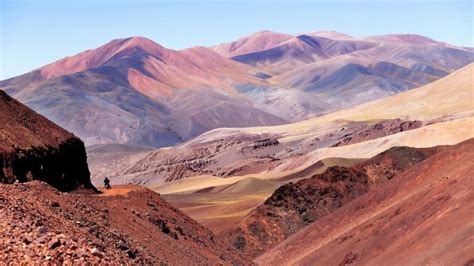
column 115, row 191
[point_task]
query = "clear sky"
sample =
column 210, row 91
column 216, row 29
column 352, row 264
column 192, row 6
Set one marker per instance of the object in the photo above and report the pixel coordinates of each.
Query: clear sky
column 37, row 32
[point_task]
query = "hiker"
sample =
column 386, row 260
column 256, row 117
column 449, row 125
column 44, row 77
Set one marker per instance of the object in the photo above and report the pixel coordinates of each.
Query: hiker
column 107, row 183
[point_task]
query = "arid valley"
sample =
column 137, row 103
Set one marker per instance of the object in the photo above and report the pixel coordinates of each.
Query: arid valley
column 315, row 148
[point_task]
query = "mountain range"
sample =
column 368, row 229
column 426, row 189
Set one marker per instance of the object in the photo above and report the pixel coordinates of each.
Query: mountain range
column 135, row 91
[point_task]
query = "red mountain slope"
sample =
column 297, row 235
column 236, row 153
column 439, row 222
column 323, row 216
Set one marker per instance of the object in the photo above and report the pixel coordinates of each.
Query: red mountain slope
column 423, row 216
column 295, row 205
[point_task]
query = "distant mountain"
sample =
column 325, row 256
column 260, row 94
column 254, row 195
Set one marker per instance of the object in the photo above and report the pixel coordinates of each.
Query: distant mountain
column 403, row 39
column 255, row 42
column 346, row 71
column 135, row 91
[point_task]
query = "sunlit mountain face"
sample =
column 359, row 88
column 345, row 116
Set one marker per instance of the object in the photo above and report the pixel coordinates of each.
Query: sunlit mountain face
column 135, row 91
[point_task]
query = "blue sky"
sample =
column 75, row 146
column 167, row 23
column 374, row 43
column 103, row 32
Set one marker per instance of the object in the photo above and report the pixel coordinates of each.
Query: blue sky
column 37, row 32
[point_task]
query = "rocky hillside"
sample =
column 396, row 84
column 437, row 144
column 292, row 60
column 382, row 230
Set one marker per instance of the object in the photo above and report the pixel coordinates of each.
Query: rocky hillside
column 422, row 216
column 34, row 148
column 125, row 225
column 295, row 205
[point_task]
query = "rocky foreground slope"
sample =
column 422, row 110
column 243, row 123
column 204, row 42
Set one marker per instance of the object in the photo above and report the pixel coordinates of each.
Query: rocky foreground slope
column 422, row 216
column 130, row 225
column 295, row 205
column 34, row 148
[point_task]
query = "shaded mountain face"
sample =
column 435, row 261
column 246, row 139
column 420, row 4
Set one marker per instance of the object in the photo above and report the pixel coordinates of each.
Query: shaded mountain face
column 124, row 225
column 301, row 50
column 295, row 205
column 134, row 91
column 34, row 148
column 422, row 215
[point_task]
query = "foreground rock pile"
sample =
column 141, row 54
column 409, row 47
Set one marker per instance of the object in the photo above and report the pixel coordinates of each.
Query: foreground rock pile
column 29, row 234
column 127, row 225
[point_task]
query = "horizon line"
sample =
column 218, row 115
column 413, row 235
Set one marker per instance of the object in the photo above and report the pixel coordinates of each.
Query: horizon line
column 225, row 42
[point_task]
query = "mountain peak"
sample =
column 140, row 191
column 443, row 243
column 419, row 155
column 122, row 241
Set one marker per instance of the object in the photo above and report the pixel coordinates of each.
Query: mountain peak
column 95, row 57
column 136, row 42
column 254, row 42
column 140, row 42
column 262, row 32
column 330, row 35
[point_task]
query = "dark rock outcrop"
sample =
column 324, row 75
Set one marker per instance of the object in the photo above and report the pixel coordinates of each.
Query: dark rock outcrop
column 34, row 148
column 378, row 130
